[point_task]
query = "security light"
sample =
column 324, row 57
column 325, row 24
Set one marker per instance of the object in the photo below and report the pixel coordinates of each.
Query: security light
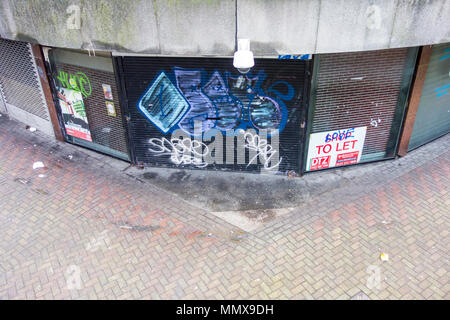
column 243, row 57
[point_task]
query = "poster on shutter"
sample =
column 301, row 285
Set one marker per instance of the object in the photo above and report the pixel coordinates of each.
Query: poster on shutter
column 110, row 108
column 107, row 91
column 335, row 148
column 74, row 113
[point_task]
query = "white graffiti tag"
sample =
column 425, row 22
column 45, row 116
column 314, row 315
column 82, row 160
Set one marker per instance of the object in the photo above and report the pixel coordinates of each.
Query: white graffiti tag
column 264, row 150
column 374, row 122
column 182, row 151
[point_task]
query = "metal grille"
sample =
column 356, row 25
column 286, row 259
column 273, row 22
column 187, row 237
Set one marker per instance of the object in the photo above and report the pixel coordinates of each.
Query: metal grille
column 106, row 130
column 360, row 89
column 207, row 90
column 19, row 81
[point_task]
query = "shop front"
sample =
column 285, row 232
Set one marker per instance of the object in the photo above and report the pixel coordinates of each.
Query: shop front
column 21, row 92
column 203, row 113
column 87, row 101
column 432, row 118
column 284, row 116
column 358, row 101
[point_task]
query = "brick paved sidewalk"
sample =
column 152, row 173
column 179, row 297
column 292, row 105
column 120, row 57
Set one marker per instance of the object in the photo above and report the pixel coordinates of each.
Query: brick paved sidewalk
column 81, row 228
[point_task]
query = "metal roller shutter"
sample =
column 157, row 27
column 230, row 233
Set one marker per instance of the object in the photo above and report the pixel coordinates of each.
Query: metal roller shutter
column 358, row 89
column 20, row 85
column 107, row 133
column 433, row 115
column 167, row 96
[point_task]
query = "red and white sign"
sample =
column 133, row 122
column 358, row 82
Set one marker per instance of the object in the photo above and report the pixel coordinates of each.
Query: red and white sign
column 74, row 113
column 335, row 148
column 79, row 134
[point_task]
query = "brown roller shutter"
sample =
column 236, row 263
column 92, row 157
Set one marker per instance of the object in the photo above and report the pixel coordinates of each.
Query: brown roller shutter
column 89, row 75
column 358, row 89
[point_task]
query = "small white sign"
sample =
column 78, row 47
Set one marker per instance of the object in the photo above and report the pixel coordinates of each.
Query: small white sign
column 335, row 148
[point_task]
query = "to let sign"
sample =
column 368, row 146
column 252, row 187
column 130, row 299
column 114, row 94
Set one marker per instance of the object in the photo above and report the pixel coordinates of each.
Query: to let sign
column 335, row 148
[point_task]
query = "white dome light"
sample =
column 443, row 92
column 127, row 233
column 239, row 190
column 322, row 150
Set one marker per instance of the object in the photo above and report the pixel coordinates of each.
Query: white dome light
column 243, row 57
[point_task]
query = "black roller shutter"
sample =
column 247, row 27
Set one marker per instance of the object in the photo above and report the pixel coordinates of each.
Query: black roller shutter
column 211, row 94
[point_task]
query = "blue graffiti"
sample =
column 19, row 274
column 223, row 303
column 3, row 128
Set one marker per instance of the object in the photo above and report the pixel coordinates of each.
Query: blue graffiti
column 236, row 103
column 340, row 135
column 294, row 57
column 265, row 113
column 443, row 90
column 229, row 109
column 162, row 104
column 241, row 89
column 445, row 56
column 262, row 111
column 202, row 109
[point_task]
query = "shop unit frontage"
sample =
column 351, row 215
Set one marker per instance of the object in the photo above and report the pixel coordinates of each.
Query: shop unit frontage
column 21, row 93
column 432, row 118
column 87, row 100
column 357, row 106
column 202, row 113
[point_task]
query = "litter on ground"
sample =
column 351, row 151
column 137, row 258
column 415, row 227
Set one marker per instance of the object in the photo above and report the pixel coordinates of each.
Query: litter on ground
column 38, row 164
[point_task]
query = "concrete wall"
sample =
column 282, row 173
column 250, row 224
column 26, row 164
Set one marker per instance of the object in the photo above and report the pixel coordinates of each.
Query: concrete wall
column 208, row 27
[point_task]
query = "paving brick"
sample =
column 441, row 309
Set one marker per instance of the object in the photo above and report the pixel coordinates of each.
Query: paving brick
column 320, row 250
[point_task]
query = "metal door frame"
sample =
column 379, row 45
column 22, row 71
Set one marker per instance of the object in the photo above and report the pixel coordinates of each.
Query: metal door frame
column 122, row 88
